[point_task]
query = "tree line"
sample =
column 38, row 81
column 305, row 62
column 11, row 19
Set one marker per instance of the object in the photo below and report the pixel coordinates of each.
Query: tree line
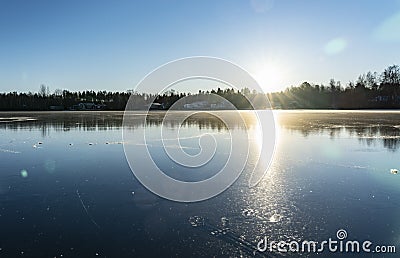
column 369, row 91
column 104, row 100
column 61, row 99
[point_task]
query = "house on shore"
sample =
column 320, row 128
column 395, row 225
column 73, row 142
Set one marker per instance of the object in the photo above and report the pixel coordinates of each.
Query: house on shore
column 155, row 106
column 88, row 106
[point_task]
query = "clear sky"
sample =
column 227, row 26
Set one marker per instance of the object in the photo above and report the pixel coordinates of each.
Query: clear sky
column 111, row 45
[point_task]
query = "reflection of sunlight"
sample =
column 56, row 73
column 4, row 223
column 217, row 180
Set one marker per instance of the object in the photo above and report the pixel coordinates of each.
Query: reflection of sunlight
column 271, row 202
column 256, row 136
column 256, row 141
column 256, row 133
column 278, row 128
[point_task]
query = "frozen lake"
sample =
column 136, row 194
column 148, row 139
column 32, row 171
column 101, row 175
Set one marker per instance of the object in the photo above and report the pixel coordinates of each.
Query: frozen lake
column 66, row 187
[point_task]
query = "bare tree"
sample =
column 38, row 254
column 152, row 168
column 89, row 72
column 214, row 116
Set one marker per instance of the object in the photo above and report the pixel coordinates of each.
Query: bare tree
column 361, row 82
column 350, row 85
column 58, row 92
column 391, row 75
column 371, row 80
column 42, row 90
column 332, row 85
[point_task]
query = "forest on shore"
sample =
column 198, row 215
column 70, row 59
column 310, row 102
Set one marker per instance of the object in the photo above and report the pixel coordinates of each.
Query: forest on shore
column 369, row 91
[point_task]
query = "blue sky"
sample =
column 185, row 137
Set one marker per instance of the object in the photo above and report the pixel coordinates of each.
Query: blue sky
column 112, row 45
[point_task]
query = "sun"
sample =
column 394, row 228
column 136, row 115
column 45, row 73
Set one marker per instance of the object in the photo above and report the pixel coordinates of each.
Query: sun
column 269, row 76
